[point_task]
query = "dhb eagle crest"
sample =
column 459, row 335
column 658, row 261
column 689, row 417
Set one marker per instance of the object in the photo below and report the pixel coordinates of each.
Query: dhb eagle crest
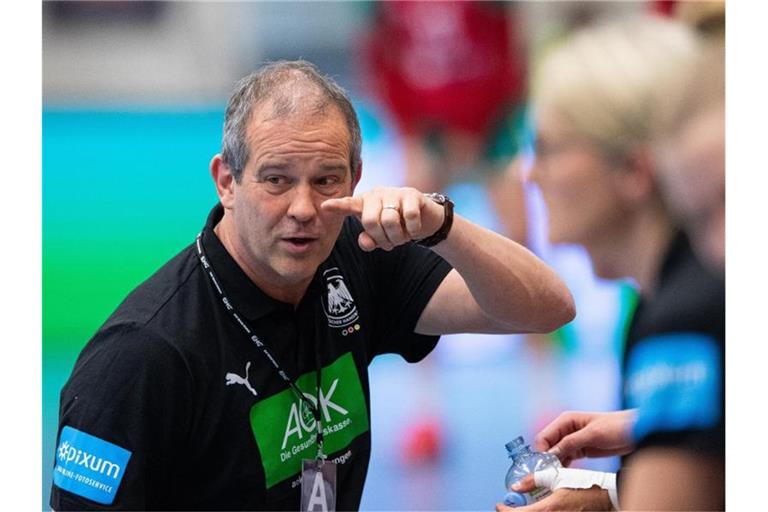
column 339, row 305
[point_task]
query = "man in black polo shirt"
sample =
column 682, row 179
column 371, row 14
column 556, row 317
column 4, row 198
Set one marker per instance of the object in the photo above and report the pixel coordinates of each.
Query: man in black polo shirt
column 236, row 376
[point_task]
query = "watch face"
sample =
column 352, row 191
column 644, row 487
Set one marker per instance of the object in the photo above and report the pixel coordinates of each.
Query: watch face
column 437, row 197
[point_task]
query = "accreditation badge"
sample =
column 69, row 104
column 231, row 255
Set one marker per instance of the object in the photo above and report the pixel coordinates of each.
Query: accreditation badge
column 318, row 486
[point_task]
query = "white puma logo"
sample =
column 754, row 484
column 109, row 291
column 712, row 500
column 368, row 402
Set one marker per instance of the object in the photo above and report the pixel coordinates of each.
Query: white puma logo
column 233, row 378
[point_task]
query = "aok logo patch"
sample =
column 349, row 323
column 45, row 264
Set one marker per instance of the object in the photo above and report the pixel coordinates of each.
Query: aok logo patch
column 88, row 466
column 337, row 301
column 285, row 437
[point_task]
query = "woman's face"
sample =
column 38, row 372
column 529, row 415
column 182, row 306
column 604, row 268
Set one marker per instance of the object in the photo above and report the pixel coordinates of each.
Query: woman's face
column 579, row 185
column 693, row 179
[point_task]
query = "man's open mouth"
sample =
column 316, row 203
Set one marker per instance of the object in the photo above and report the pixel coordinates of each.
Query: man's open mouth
column 299, row 243
column 300, row 240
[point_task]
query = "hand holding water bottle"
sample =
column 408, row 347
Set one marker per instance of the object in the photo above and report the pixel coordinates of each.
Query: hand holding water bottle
column 575, row 435
column 533, row 476
column 524, row 462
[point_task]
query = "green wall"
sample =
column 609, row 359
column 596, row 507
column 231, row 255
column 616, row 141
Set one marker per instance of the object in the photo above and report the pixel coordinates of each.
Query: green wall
column 122, row 193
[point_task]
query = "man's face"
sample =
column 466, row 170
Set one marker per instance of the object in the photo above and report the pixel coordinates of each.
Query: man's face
column 295, row 164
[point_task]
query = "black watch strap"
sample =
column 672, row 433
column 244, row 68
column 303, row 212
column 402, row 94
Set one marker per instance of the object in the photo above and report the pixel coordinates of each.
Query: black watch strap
column 442, row 233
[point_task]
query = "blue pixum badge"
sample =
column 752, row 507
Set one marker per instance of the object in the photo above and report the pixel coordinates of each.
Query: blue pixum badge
column 88, row 466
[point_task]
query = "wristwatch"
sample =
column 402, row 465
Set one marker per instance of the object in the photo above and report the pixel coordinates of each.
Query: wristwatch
column 442, row 233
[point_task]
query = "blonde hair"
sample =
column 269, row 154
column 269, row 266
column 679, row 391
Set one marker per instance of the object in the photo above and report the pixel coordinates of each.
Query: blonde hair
column 604, row 81
column 697, row 89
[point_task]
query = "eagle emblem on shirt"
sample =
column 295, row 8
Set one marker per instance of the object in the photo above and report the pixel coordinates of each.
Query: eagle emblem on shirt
column 338, row 302
column 339, row 299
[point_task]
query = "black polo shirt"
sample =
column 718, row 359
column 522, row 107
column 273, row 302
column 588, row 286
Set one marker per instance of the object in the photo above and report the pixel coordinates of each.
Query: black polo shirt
column 674, row 363
column 171, row 406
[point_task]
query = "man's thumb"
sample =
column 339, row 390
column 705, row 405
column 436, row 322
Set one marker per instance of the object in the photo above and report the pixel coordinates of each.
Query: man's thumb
column 570, row 447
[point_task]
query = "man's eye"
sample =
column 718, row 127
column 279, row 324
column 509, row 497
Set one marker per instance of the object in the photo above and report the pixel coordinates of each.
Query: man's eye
column 328, row 180
column 276, row 183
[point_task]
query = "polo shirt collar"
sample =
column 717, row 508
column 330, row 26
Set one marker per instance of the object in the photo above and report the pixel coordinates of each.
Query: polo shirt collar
column 247, row 298
column 677, row 252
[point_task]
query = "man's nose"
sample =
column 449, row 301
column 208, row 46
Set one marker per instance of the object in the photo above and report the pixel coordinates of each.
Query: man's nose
column 302, row 207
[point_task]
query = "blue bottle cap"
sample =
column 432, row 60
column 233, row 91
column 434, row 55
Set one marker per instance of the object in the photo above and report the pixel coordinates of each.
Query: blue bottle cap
column 514, row 499
column 515, row 444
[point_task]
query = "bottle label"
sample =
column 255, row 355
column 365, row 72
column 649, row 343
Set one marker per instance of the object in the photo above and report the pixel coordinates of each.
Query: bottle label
column 539, row 493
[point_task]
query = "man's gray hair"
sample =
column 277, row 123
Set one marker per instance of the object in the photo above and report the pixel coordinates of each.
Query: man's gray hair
column 278, row 83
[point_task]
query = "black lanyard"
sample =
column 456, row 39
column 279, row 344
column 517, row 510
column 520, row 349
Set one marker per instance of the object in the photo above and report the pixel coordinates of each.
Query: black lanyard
column 314, row 409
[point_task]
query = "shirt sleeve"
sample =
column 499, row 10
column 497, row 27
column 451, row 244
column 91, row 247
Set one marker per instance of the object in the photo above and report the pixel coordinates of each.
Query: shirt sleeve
column 405, row 279
column 124, row 415
column 675, row 380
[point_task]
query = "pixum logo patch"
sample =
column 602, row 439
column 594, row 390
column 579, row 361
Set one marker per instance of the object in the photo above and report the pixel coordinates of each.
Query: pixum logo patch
column 339, row 305
column 88, row 466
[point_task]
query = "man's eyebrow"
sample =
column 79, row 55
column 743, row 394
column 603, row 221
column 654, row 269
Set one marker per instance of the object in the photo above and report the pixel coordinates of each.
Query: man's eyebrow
column 272, row 166
column 333, row 166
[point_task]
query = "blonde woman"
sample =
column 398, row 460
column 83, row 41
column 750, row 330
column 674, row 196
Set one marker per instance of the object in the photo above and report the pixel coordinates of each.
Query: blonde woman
column 597, row 100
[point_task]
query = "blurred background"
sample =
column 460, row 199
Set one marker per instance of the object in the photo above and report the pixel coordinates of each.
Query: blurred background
column 133, row 101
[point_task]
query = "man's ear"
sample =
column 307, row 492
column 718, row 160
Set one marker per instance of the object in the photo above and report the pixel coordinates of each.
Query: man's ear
column 358, row 175
column 224, row 181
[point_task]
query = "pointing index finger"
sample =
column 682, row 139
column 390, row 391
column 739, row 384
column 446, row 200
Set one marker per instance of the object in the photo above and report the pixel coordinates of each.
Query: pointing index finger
column 344, row 205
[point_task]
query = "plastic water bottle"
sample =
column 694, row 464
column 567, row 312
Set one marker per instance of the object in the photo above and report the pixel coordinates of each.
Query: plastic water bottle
column 524, row 462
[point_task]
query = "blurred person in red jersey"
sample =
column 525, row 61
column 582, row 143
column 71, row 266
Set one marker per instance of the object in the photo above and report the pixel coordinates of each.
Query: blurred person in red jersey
column 453, row 77
column 598, row 100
